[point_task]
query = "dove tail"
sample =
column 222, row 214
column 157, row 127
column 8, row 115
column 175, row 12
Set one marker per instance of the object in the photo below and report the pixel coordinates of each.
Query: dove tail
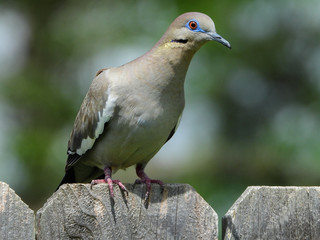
column 69, row 177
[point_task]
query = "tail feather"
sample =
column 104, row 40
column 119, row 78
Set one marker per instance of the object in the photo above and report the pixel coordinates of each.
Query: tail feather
column 81, row 173
column 69, row 177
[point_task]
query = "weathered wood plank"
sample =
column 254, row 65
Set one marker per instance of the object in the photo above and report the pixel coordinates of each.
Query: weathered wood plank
column 176, row 212
column 274, row 213
column 16, row 218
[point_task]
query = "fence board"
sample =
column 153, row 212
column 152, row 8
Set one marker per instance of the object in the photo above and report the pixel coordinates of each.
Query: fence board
column 274, row 213
column 16, row 218
column 176, row 212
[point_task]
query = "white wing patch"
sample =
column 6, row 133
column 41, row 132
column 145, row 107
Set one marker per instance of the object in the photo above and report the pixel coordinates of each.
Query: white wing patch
column 86, row 144
column 106, row 114
column 104, row 117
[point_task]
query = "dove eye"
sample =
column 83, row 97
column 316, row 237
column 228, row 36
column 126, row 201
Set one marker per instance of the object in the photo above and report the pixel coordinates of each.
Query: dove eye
column 193, row 25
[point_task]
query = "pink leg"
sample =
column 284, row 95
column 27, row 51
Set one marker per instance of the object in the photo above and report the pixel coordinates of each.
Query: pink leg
column 145, row 179
column 109, row 181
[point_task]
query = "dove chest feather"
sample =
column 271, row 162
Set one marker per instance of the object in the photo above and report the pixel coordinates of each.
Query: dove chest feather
column 138, row 128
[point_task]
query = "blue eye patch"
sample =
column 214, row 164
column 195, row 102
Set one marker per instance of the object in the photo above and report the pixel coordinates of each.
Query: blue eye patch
column 194, row 25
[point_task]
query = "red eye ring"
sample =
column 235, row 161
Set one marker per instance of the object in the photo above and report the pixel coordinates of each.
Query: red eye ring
column 193, row 25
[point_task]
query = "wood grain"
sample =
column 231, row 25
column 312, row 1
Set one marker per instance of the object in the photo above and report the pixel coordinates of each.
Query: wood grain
column 16, row 218
column 175, row 212
column 274, row 213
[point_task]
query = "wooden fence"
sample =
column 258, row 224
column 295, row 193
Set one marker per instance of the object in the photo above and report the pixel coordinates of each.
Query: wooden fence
column 175, row 212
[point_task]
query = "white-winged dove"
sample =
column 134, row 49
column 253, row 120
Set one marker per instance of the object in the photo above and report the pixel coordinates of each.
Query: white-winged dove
column 131, row 111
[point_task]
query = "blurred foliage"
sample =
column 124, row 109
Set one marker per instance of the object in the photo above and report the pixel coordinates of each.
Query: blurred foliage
column 262, row 103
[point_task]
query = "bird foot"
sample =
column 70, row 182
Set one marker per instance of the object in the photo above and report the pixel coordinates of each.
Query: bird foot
column 110, row 183
column 148, row 182
column 145, row 179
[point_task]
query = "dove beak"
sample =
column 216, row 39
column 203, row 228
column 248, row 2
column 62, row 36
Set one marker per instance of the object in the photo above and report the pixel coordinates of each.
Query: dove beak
column 216, row 37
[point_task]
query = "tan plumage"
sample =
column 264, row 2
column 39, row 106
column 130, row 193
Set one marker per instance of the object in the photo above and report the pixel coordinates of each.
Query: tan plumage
column 130, row 111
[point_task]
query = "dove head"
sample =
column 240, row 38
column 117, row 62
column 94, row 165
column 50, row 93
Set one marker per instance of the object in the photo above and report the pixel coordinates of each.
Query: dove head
column 191, row 30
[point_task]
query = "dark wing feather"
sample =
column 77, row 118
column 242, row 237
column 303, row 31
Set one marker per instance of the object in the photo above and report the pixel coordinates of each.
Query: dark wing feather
column 88, row 119
column 72, row 159
column 172, row 133
column 174, row 129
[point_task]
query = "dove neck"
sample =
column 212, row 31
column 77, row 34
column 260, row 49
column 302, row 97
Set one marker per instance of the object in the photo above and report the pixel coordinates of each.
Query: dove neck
column 170, row 65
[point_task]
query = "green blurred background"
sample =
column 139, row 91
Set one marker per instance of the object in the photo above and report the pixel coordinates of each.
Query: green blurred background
column 252, row 113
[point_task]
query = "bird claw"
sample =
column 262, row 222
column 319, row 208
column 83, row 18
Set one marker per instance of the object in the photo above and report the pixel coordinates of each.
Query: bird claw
column 110, row 183
column 148, row 183
column 145, row 179
column 121, row 186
